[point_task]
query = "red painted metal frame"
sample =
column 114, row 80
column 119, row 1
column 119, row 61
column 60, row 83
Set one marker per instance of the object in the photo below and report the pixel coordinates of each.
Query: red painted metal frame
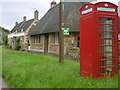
column 89, row 40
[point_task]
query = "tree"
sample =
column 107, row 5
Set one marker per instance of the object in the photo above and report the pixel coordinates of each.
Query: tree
column 5, row 40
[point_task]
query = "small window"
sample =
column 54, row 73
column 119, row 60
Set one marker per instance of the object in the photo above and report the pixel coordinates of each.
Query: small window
column 37, row 39
column 39, row 36
column 78, row 41
column 21, row 30
column 56, row 38
column 21, row 41
column 33, row 39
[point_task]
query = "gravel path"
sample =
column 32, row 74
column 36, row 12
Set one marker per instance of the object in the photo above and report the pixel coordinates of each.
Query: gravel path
column 2, row 83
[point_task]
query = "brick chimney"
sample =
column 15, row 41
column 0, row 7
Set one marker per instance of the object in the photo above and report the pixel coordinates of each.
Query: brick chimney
column 24, row 18
column 16, row 23
column 53, row 3
column 36, row 15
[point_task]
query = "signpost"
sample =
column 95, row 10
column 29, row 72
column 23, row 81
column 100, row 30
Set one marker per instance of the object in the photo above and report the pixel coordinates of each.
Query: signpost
column 61, row 35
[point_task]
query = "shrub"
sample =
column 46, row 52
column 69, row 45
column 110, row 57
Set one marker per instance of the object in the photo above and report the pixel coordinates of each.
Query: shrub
column 5, row 40
column 17, row 44
column 18, row 47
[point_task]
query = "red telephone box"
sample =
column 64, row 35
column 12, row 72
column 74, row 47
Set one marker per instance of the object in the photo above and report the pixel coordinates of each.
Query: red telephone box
column 98, row 39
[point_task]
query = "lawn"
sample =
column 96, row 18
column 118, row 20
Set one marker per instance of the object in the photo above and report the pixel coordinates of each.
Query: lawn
column 25, row 70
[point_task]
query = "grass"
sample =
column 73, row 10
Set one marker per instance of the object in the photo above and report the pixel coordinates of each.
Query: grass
column 25, row 70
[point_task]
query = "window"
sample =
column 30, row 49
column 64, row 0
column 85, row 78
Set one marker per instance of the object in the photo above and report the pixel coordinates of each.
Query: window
column 33, row 39
column 36, row 39
column 20, row 41
column 56, row 38
column 78, row 41
column 21, row 30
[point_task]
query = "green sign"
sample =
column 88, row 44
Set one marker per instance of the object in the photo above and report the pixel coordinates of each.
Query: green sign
column 66, row 28
column 66, row 32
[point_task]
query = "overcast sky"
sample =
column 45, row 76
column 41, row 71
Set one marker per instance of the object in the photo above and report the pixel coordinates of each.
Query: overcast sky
column 14, row 10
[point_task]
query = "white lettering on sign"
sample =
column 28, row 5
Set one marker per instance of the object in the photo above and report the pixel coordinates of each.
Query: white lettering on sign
column 87, row 11
column 106, row 9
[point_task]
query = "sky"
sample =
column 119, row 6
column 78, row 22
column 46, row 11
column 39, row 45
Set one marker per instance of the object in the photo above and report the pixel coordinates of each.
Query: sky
column 14, row 10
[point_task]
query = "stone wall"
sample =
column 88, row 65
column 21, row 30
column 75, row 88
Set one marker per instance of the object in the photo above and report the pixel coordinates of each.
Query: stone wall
column 70, row 44
column 53, row 47
column 36, row 46
column 22, row 43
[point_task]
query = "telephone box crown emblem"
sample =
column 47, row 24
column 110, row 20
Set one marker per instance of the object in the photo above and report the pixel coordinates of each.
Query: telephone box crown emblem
column 86, row 6
column 106, row 5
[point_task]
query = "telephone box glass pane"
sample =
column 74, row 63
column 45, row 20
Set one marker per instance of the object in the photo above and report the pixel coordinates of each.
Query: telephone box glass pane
column 106, row 49
column 106, row 56
column 106, row 41
column 106, row 20
column 106, row 27
column 106, row 34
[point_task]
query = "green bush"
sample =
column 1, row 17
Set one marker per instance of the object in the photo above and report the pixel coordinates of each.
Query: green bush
column 17, row 44
column 18, row 47
column 10, row 47
column 5, row 40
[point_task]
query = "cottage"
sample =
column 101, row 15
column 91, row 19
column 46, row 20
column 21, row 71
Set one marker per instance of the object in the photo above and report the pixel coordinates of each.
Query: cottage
column 45, row 35
column 21, row 31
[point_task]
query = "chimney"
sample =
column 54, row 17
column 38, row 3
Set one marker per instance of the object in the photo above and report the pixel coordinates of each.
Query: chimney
column 53, row 3
column 24, row 18
column 36, row 15
column 16, row 23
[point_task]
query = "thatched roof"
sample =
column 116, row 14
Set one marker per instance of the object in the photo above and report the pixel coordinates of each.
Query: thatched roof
column 23, row 26
column 50, row 21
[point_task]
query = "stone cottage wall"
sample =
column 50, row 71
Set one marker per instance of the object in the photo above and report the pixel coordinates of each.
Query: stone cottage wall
column 22, row 43
column 71, row 43
column 38, row 47
column 52, row 46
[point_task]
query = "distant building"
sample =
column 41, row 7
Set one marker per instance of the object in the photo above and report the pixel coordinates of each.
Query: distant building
column 21, row 31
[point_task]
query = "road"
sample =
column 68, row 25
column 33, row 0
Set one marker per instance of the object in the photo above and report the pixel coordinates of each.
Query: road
column 2, row 83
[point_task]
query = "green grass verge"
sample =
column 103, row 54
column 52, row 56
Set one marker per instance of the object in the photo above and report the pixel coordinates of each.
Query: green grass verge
column 24, row 70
